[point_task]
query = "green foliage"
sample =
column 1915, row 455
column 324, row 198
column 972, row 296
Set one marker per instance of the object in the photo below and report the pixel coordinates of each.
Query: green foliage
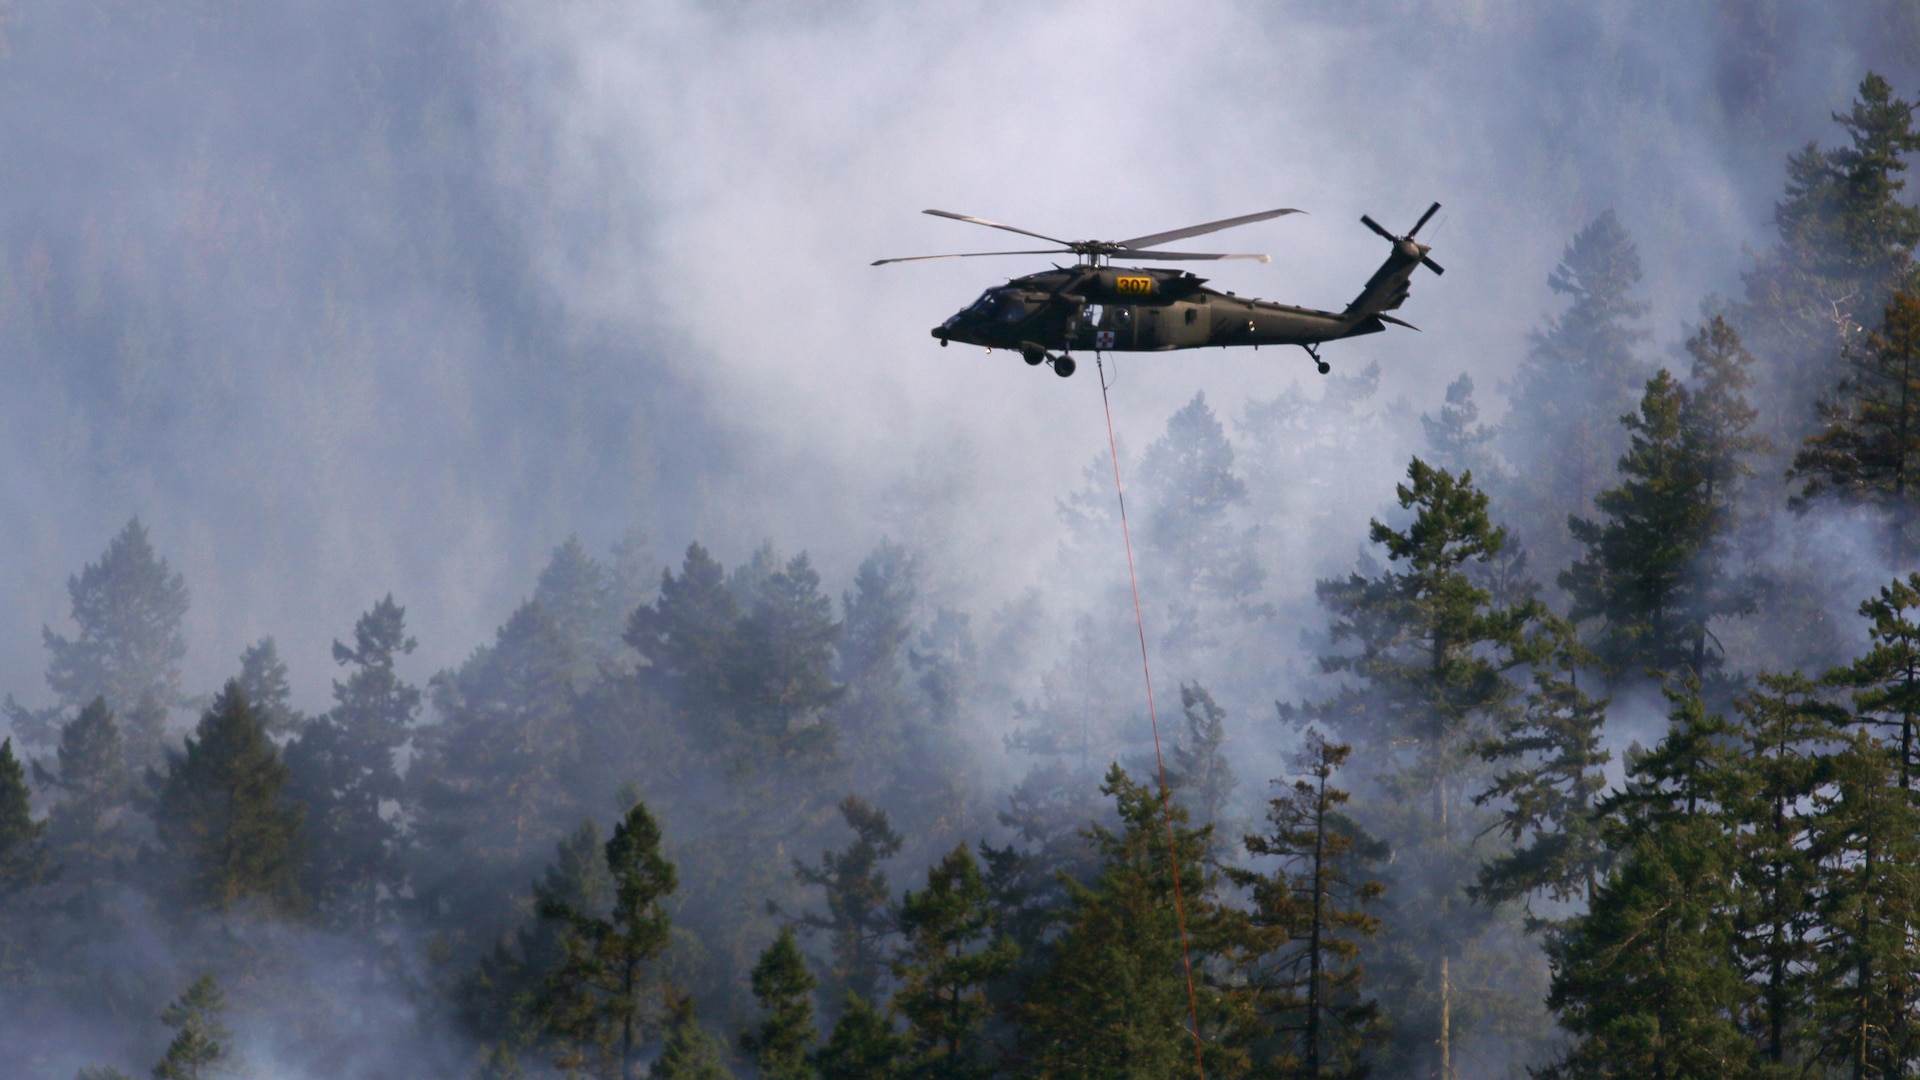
column 863, row 1045
column 593, row 1003
column 1868, row 444
column 343, row 771
column 1308, row 980
column 91, row 827
column 1547, row 795
column 23, row 855
column 784, row 987
column 1189, row 487
column 1454, row 438
column 1202, row 776
column 1112, row 1001
column 949, row 957
column 201, row 1046
column 690, row 1053
column 860, row 914
column 1886, row 681
column 263, row 678
column 128, row 607
column 228, row 833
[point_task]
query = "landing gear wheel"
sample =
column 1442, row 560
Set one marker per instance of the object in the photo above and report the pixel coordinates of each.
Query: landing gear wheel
column 1033, row 357
column 1323, row 366
column 1063, row 366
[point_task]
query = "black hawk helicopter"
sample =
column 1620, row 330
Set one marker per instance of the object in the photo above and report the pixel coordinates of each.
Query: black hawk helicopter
column 1095, row 305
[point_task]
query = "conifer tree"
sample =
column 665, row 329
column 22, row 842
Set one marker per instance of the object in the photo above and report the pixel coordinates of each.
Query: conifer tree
column 690, row 1053
column 1784, row 728
column 1886, row 681
column 344, row 773
column 594, row 1000
column 89, row 827
column 1189, row 488
column 862, row 1046
column 949, row 957
column 1112, row 1001
column 1581, row 371
column 1846, row 242
column 128, row 607
column 576, row 590
column 1202, row 775
column 860, row 914
column 23, row 855
column 1455, row 440
column 876, row 620
column 784, row 987
column 1867, row 448
column 1646, row 981
column 263, row 678
column 1867, row 837
column 202, row 1045
column 1549, row 792
column 227, row 830
column 1318, row 897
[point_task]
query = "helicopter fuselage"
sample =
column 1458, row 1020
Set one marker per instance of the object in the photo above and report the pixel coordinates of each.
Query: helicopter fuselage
column 1122, row 309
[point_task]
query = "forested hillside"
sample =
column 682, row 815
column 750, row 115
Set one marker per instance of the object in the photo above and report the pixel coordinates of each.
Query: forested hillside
column 486, row 592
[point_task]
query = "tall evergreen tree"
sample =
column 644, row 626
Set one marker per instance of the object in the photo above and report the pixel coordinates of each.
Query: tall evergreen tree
column 227, row 830
column 23, row 855
column 1202, row 775
column 90, row 827
column 263, row 678
column 860, row 915
column 128, row 608
column 1846, row 242
column 876, row 621
column 1581, row 371
column 1867, row 448
column 1203, row 565
column 1112, row 1001
column 1886, row 681
column 863, row 1045
column 690, row 1053
column 595, row 999
column 1455, row 438
column 202, row 1047
column 1549, row 791
column 346, row 778
column 784, row 987
column 949, row 956
column 1318, row 897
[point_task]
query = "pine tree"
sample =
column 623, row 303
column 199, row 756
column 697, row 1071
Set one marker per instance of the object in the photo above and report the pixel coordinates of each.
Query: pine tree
column 23, row 855
column 863, row 1045
column 90, row 827
column 227, row 830
column 1549, row 795
column 1886, row 681
column 1784, row 728
column 1845, row 246
column 860, row 914
column 949, row 956
column 784, row 987
column 1647, row 981
column 1112, row 1001
column 344, row 773
column 263, row 678
column 576, row 591
column 1867, row 837
column 1318, row 897
column 1867, row 448
column 1199, row 560
column 1202, row 776
column 876, row 620
column 594, row 1001
column 690, row 1053
column 1581, row 371
column 202, row 1045
column 129, row 607
column 1454, row 438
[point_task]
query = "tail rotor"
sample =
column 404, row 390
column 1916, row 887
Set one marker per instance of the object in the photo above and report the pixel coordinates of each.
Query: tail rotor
column 1418, row 250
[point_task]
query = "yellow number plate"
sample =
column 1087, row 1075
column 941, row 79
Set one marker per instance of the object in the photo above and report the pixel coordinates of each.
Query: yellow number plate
column 1135, row 286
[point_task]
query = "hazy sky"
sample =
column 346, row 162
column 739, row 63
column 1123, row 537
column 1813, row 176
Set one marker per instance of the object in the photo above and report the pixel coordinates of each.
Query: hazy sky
column 343, row 299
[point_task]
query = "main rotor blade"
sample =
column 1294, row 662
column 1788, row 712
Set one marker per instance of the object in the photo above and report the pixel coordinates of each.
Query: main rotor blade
column 1183, row 256
column 997, row 225
column 1423, row 220
column 1152, row 239
column 970, row 255
column 1433, row 266
column 1375, row 226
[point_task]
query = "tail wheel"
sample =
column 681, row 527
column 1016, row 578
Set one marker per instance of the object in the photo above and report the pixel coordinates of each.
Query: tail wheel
column 1063, row 366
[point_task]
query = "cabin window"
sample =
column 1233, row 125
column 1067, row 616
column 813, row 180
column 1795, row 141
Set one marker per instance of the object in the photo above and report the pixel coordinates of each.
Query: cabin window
column 1192, row 314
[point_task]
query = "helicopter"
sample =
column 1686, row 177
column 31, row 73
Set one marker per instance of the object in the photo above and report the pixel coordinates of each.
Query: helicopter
column 1096, row 305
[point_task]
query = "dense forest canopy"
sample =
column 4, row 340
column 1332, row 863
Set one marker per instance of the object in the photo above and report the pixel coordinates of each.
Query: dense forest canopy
column 476, row 613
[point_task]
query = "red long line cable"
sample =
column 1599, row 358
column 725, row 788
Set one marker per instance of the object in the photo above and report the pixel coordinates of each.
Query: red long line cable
column 1153, row 714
